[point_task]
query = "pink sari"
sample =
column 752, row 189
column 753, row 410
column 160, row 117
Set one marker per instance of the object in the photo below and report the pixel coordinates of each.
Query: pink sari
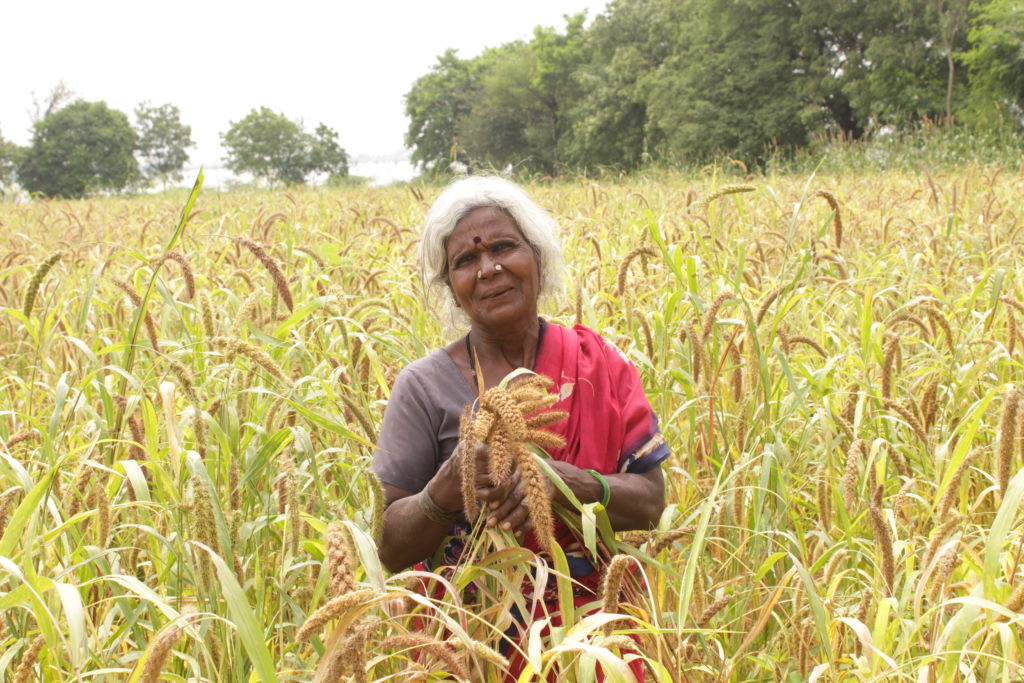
column 611, row 428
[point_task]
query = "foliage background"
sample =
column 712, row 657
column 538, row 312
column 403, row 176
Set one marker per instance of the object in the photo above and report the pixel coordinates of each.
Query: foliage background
column 684, row 82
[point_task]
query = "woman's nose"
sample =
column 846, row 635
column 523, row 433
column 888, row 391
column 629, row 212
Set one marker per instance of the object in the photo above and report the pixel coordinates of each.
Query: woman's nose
column 489, row 265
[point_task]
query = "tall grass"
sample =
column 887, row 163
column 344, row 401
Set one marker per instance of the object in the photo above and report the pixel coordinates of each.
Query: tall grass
column 200, row 508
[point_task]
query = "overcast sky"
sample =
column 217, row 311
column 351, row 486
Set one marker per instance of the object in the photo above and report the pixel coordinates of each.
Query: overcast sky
column 345, row 63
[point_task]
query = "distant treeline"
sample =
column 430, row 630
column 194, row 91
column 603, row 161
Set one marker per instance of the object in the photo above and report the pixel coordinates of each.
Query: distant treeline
column 684, row 81
column 81, row 148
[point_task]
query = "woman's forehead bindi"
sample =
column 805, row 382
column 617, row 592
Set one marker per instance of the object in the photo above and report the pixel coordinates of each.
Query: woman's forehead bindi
column 476, row 239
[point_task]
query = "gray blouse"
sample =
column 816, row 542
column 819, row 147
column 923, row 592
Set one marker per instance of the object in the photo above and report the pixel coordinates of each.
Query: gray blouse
column 421, row 422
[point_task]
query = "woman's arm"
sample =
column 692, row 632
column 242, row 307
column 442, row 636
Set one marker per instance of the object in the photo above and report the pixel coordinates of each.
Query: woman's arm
column 636, row 502
column 408, row 535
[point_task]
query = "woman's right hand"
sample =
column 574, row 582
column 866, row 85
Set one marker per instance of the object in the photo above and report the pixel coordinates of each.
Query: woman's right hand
column 502, row 503
column 446, row 485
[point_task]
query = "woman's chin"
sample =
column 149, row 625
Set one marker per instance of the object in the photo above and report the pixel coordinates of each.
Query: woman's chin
column 504, row 315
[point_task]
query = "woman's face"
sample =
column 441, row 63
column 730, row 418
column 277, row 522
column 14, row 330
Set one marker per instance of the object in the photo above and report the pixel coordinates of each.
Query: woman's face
column 492, row 270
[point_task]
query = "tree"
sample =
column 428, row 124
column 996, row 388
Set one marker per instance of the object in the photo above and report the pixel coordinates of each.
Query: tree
column 951, row 17
column 59, row 95
column 871, row 63
column 9, row 153
column 326, row 155
column 996, row 55
column 163, row 141
column 505, row 107
column 730, row 86
column 608, row 122
column 508, row 124
column 436, row 105
column 83, row 148
column 276, row 149
column 832, row 37
column 559, row 58
column 693, row 79
column 908, row 75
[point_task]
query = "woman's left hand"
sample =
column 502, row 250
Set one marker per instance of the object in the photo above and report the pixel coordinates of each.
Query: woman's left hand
column 505, row 503
column 636, row 501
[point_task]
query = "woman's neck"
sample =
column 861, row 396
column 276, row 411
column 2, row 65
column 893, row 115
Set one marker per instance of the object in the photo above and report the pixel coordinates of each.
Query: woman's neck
column 506, row 349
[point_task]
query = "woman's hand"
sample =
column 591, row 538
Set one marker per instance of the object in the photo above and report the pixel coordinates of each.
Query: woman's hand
column 637, row 500
column 504, row 504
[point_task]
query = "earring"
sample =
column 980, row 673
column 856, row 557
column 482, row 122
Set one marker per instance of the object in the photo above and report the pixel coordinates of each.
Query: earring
column 497, row 267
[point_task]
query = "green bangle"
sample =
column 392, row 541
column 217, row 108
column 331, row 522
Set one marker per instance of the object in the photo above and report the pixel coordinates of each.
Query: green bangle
column 606, row 490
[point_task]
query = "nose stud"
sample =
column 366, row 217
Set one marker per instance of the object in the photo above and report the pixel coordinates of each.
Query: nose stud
column 480, row 273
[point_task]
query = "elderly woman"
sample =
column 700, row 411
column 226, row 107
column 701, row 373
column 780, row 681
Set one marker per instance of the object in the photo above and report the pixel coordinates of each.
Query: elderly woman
column 492, row 253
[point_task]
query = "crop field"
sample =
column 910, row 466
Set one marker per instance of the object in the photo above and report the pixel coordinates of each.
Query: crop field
column 190, row 398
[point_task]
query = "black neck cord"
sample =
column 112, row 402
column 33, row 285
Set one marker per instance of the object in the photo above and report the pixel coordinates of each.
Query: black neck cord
column 472, row 363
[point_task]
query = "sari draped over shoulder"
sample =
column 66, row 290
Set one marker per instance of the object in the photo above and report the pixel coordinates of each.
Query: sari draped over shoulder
column 611, row 426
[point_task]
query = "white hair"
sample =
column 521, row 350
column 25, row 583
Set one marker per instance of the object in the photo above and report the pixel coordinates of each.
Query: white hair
column 540, row 230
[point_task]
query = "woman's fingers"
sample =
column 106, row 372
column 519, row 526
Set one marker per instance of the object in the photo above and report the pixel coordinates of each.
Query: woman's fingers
column 490, row 493
column 482, row 454
column 511, row 514
column 482, row 450
column 503, row 504
column 465, row 451
column 479, row 452
column 518, row 521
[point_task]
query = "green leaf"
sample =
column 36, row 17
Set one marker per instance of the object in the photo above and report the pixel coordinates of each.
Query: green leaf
column 128, row 362
column 144, row 592
column 766, row 566
column 242, row 615
column 563, row 580
column 964, row 443
column 60, row 397
column 1007, row 516
column 369, row 558
column 74, row 612
column 16, row 527
column 817, row 608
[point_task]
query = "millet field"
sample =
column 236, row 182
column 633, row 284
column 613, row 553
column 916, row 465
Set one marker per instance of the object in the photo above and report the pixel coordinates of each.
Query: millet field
column 191, row 392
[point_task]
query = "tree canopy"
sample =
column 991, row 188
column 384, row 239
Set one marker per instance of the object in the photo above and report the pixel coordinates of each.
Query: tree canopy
column 436, row 105
column 8, row 162
column 162, row 148
column 82, row 148
column 688, row 80
column 996, row 54
column 276, row 149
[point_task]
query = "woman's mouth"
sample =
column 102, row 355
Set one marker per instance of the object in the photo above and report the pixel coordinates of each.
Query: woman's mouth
column 497, row 293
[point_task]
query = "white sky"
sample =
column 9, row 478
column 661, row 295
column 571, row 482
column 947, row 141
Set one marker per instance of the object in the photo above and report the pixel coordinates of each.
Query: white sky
column 344, row 63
